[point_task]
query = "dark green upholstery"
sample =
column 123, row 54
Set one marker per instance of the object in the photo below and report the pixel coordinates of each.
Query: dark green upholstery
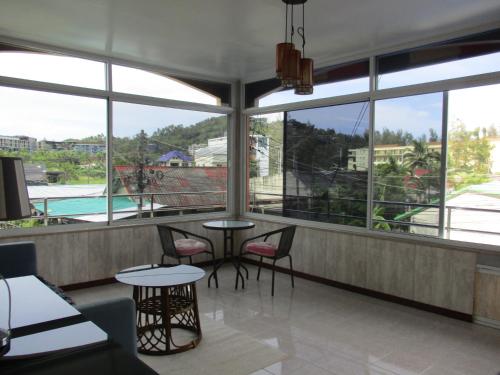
column 116, row 317
column 18, row 259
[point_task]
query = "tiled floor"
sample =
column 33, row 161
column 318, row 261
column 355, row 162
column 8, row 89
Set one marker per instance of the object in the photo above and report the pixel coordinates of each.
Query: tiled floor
column 327, row 331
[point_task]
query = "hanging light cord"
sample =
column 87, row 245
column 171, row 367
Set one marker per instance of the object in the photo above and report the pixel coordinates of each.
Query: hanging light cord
column 286, row 22
column 301, row 31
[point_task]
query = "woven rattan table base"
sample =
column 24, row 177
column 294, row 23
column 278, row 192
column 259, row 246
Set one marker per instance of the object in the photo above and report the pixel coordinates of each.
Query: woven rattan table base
column 161, row 309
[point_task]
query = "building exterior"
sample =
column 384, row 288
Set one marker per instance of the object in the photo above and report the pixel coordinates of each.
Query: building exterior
column 175, row 159
column 17, row 143
column 53, row 145
column 358, row 157
column 259, row 152
column 214, row 155
column 89, row 148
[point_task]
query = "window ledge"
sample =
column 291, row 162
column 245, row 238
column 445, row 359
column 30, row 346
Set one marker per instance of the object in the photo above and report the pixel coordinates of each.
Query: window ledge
column 73, row 228
column 413, row 238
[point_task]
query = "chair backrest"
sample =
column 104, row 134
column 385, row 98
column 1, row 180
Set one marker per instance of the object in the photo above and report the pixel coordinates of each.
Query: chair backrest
column 18, row 259
column 167, row 241
column 117, row 318
column 286, row 241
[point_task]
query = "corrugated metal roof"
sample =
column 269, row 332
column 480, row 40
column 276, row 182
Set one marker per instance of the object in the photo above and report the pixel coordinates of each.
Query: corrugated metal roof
column 191, row 182
column 48, row 191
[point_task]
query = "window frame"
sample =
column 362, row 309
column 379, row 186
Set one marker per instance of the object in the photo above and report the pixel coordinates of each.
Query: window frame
column 110, row 96
column 374, row 94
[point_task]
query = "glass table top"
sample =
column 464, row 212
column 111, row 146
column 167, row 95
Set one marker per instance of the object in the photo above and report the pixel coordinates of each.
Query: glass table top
column 229, row 224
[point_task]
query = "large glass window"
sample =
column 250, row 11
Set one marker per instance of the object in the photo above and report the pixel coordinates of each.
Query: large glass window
column 265, row 168
column 407, row 163
column 476, row 54
column 141, row 82
column 329, row 81
column 472, row 209
column 446, row 70
column 167, row 161
column 43, row 67
column 62, row 143
column 325, row 90
column 310, row 164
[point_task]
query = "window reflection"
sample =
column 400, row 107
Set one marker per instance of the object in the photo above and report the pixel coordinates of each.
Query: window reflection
column 406, row 164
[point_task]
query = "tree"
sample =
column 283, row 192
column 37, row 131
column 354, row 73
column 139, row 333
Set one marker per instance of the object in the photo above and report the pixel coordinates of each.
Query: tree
column 421, row 157
column 469, row 156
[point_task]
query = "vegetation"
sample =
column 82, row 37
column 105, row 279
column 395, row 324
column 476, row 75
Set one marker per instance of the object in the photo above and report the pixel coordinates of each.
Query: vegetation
column 71, row 167
column 469, row 156
column 126, row 150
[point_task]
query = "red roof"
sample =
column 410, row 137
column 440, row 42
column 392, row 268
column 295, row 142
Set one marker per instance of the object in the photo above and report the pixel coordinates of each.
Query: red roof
column 178, row 180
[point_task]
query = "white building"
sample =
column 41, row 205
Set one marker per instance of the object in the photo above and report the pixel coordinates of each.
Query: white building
column 213, row 155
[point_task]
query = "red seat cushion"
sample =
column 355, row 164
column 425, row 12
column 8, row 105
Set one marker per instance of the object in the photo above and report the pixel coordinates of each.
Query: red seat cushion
column 189, row 246
column 262, row 248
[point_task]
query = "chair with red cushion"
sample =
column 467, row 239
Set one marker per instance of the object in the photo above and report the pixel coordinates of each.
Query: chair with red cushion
column 269, row 250
column 185, row 247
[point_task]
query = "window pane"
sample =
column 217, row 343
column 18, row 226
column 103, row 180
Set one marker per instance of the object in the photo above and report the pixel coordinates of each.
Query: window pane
column 324, row 178
column 167, row 161
column 473, row 187
column 325, row 90
column 329, row 81
column 310, row 168
column 406, row 164
column 265, row 169
column 447, row 70
column 64, row 70
column 61, row 141
column 141, row 82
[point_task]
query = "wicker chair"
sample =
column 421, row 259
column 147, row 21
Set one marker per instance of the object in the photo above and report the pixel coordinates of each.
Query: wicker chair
column 186, row 247
column 270, row 251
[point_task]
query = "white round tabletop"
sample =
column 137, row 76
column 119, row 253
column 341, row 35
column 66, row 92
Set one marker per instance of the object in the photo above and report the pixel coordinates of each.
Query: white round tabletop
column 154, row 275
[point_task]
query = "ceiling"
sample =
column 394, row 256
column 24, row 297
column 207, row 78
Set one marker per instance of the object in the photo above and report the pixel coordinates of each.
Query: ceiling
column 235, row 38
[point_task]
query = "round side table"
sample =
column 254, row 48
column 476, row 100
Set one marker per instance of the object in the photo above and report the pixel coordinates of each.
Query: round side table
column 165, row 298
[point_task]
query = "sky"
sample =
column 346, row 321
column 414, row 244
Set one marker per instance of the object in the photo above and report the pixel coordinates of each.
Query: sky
column 343, row 118
column 57, row 117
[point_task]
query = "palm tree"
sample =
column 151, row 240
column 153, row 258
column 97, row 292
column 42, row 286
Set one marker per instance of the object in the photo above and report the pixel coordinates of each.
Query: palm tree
column 421, row 156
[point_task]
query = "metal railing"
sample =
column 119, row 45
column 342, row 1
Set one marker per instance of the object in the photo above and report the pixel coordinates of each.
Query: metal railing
column 140, row 200
column 448, row 228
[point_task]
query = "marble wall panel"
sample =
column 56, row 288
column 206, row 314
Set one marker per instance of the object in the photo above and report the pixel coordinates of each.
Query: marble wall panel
column 445, row 278
column 429, row 274
column 487, row 296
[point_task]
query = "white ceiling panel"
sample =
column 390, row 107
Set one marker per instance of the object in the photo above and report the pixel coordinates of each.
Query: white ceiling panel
column 234, row 38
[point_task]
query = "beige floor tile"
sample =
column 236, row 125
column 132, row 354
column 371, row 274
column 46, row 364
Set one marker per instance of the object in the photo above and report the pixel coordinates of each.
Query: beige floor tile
column 326, row 331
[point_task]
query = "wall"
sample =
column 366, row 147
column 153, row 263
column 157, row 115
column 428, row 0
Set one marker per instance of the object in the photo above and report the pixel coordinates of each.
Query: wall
column 418, row 272
column 75, row 257
column 411, row 270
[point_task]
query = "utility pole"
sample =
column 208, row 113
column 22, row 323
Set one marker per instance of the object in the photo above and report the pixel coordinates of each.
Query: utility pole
column 141, row 180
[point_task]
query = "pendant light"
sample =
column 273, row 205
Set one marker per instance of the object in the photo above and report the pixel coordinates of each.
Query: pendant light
column 293, row 69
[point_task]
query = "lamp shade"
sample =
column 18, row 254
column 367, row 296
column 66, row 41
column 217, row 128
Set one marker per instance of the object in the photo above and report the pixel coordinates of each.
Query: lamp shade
column 305, row 84
column 14, row 201
column 282, row 50
column 291, row 68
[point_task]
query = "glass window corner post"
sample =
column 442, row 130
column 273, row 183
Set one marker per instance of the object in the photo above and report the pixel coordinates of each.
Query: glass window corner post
column 371, row 143
column 109, row 147
column 443, row 170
